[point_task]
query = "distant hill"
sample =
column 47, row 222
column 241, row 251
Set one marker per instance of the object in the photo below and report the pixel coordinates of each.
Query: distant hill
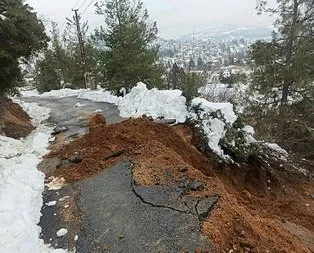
column 231, row 32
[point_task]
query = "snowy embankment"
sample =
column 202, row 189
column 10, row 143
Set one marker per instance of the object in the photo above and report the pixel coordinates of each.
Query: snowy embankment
column 21, row 187
column 215, row 118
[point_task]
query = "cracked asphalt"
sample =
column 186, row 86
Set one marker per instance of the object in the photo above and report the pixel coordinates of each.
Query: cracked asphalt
column 109, row 212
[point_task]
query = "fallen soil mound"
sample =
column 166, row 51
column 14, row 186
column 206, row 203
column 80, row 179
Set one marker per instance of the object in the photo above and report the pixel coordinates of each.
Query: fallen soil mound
column 14, row 122
column 266, row 215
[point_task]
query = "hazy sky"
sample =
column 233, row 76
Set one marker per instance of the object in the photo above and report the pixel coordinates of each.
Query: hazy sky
column 174, row 17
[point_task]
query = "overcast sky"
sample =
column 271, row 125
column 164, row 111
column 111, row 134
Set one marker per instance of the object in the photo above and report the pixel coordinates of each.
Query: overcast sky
column 174, row 17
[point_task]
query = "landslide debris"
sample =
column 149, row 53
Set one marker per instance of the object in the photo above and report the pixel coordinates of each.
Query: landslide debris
column 14, row 122
column 254, row 208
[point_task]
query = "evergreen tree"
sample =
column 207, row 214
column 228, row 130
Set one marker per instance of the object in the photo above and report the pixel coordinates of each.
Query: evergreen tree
column 285, row 66
column 128, row 54
column 191, row 64
column 21, row 34
column 284, row 74
column 175, row 77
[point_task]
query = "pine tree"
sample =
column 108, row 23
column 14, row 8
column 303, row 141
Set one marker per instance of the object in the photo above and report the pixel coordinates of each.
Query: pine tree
column 21, row 34
column 128, row 53
column 284, row 74
column 285, row 66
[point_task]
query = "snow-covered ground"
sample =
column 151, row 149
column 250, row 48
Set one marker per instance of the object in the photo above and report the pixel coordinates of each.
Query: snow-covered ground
column 21, row 187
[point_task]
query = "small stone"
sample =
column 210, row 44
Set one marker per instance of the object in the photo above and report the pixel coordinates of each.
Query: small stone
column 62, row 232
column 312, row 196
column 121, row 236
column 77, row 158
column 183, row 169
column 196, row 186
column 205, row 206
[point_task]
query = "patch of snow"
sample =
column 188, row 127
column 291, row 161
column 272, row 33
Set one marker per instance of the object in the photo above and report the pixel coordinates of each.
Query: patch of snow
column 214, row 128
column 275, row 147
column 225, row 108
column 21, row 187
column 63, row 93
column 79, row 105
column 62, row 232
column 100, row 96
column 29, row 93
column 155, row 103
column 249, row 133
column 3, row 17
column 36, row 112
column 51, row 203
column 64, row 198
column 76, row 238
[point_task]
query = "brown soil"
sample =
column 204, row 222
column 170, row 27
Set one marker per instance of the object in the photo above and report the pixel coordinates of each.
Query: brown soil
column 14, row 122
column 259, row 210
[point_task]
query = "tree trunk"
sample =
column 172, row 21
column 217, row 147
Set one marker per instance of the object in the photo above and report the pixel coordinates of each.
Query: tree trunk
column 287, row 82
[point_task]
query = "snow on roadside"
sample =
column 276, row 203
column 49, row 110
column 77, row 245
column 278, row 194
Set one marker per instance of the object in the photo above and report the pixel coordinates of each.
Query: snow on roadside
column 100, row 96
column 29, row 93
column 21, row 187
column 169, row 104
column 53, row 93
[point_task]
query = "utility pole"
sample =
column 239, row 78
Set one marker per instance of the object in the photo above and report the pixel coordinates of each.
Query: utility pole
column 81, row 43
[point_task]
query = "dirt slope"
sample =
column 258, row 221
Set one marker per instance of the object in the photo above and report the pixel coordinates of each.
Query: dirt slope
column 257, row 212
column 14, row 122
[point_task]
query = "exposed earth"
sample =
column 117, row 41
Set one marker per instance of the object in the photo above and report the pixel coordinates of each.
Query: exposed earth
column 14, row 122
column 140, row 186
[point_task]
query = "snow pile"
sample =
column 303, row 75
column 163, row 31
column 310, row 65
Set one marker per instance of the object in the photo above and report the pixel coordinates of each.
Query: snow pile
column 169, row 104
column 100, row 96
column 62, row 93
column 214, row 127
column 36, row 112
column 29, row 93
column 21, row 186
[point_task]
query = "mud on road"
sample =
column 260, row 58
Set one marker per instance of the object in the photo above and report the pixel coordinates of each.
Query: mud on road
column 255, row 212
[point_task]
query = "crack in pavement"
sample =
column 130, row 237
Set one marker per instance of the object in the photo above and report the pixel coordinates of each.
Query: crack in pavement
column 156, row 205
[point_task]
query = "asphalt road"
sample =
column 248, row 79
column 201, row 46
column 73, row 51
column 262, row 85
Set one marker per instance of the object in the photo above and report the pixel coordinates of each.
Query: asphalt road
column 107, row 212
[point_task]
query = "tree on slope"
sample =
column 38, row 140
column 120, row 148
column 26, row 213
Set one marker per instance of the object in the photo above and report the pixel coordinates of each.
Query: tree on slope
column 284, row 74
column 21, row 34
column 128, row 54
column 285, row 66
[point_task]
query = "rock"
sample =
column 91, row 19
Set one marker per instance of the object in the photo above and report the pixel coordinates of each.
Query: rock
column 196, row 186
column 77, row 158
column 165, row 121
column 183, row 169
column 246, row 195
column 114, row 154
column 312, row 196
column 205, row 206
column 59, row 129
